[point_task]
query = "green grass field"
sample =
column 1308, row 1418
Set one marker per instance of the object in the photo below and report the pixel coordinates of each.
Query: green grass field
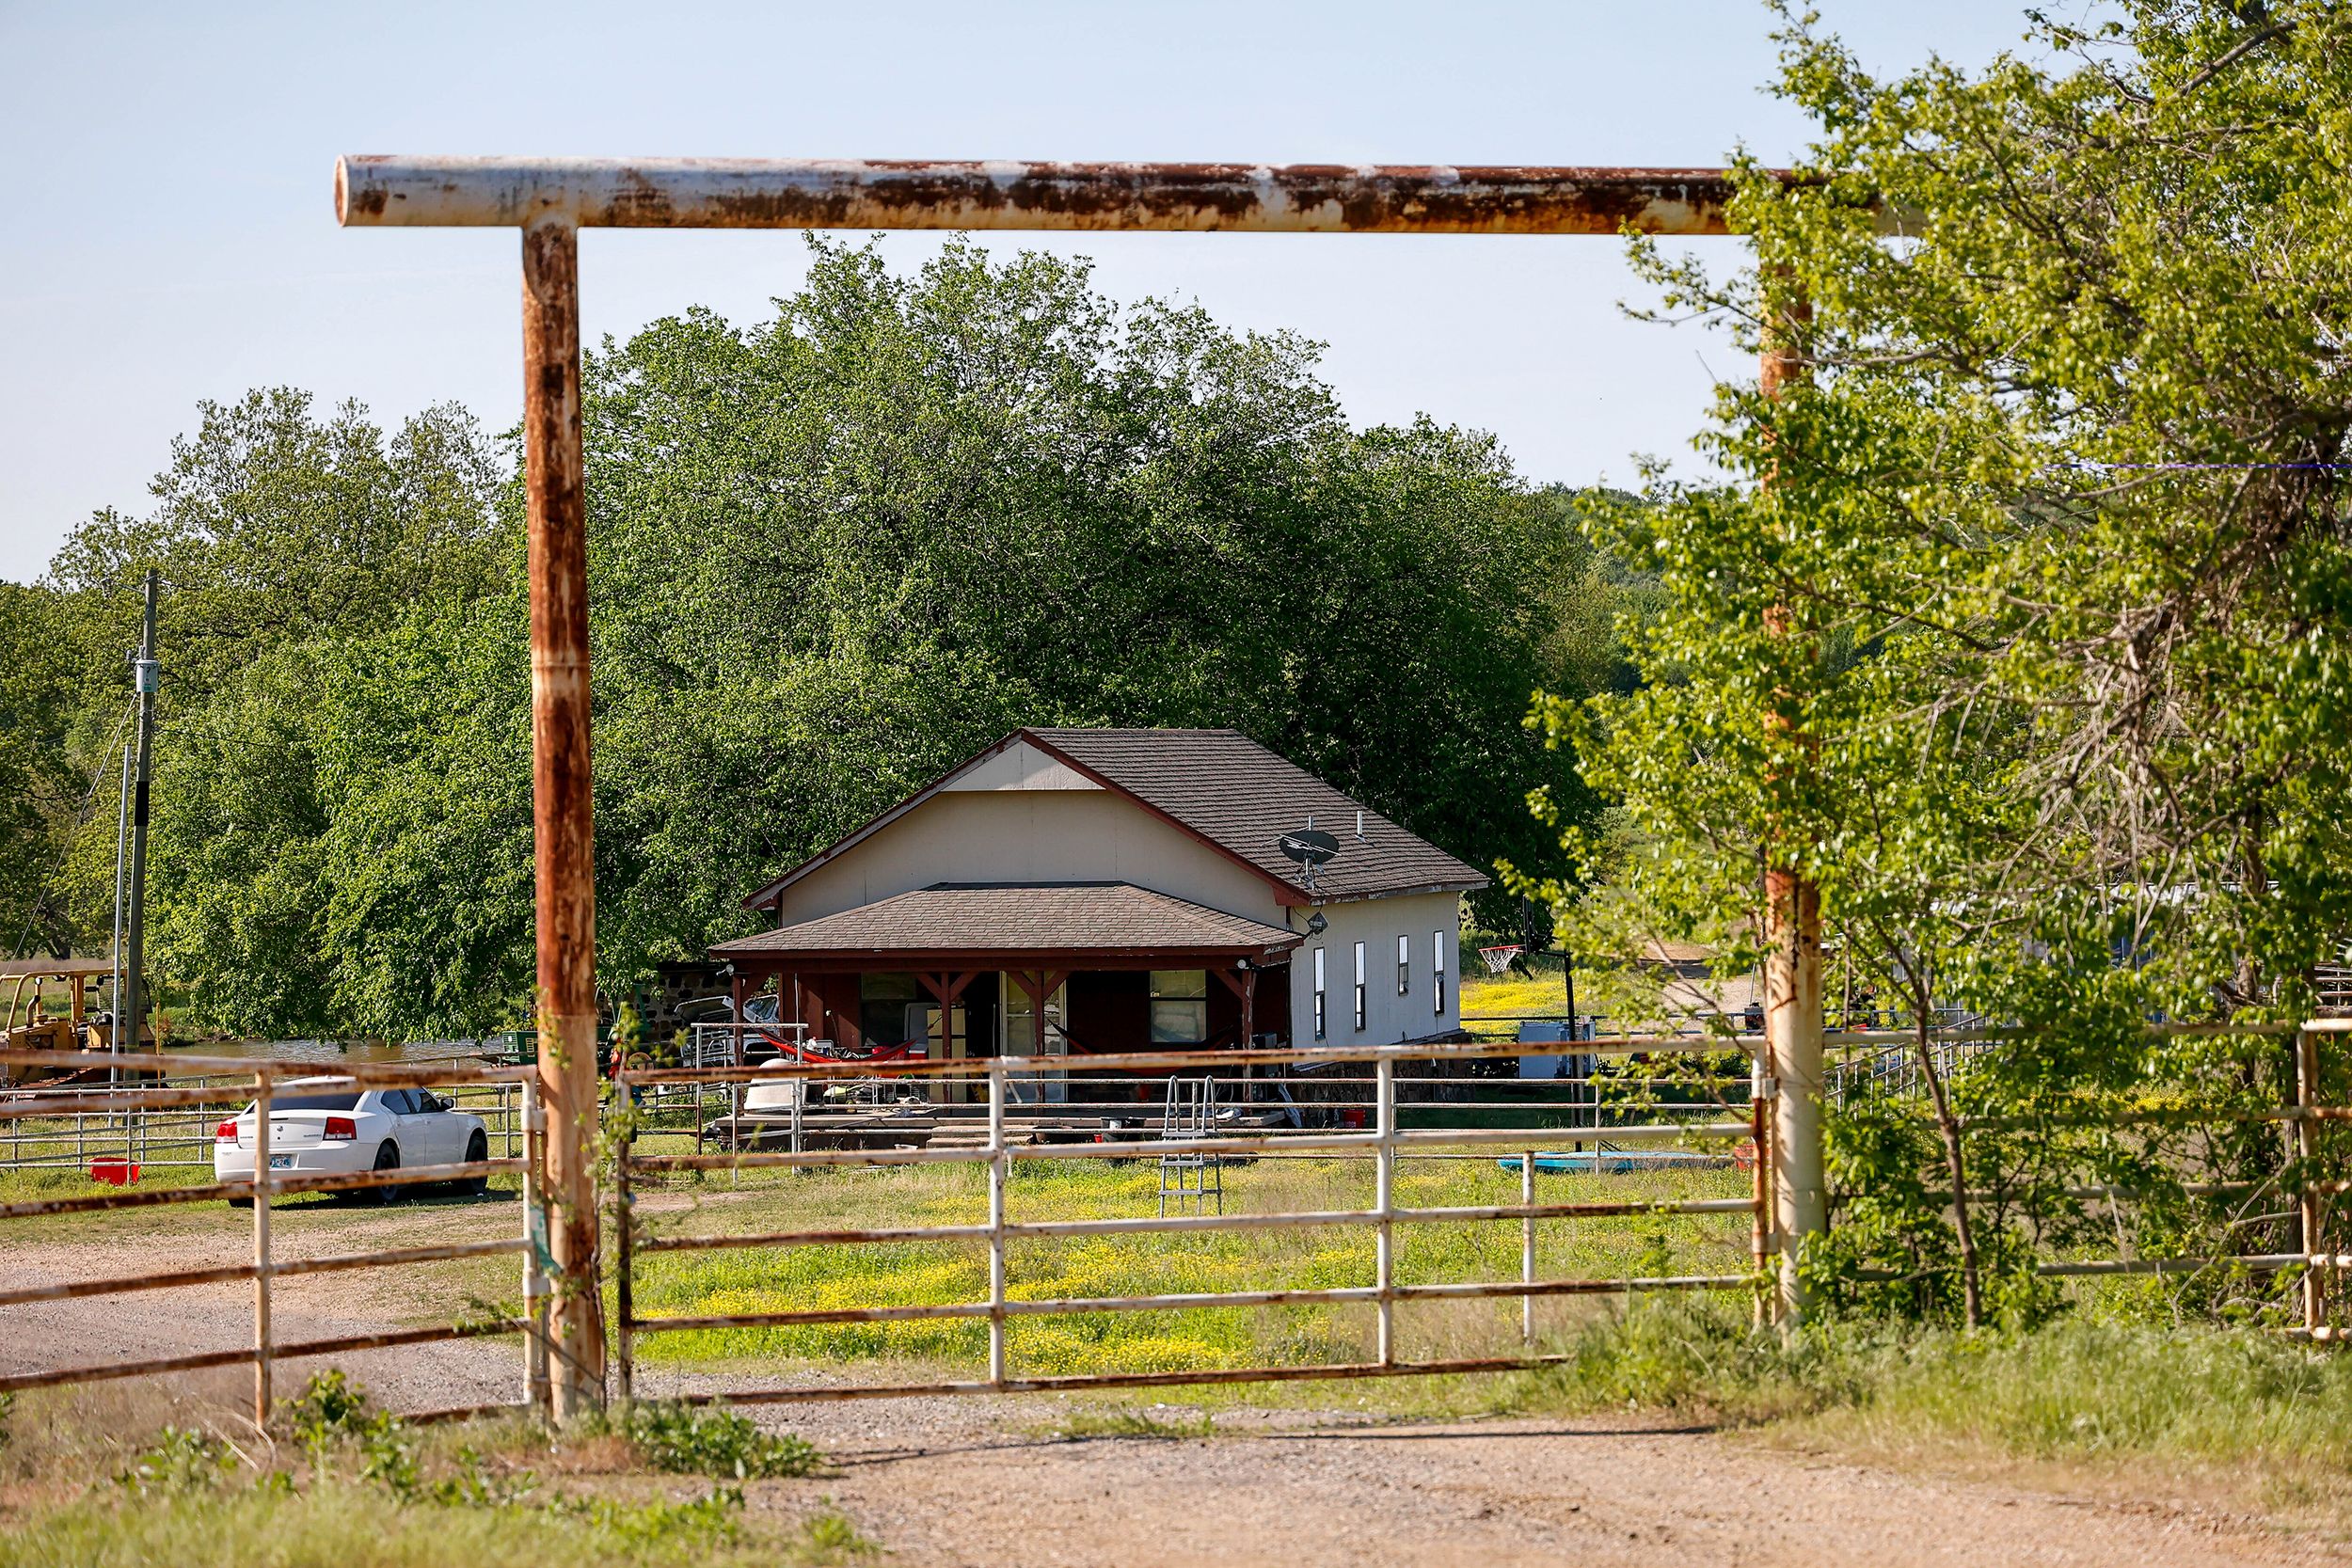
column 1514, row 996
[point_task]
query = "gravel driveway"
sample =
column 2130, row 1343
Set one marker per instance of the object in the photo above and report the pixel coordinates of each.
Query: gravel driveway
column 969, row 1482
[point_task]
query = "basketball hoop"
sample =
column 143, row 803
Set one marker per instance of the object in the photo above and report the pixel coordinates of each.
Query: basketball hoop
column 1499, row 958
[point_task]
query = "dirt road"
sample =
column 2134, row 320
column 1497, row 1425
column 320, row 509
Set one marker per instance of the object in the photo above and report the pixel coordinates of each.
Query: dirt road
column 971, row 1482
column 1491, row 1494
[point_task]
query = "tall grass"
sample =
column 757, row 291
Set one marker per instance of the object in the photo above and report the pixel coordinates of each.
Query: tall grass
column 2260, row 1417
column 338, row 1525
column 124, row 1477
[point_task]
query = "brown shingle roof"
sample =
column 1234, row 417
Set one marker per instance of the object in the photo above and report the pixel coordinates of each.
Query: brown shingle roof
column 1240, row 797
column 1022, row 917
column 1229, row 792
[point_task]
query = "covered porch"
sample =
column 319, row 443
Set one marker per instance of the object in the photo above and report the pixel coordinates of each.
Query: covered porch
column 1048, row 969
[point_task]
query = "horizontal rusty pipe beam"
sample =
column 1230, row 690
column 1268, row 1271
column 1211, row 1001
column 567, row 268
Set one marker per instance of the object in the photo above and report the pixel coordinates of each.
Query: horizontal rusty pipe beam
column 206, row 1360
column 1076, row 1381
column 2176, row 1115
column 1179, row 1223
column 445, row 1071
column 1192, row 1301
column 464, row 1412
column 1161, row 1062
column 2259, row 1263
column 2265, row 1262
column 230, row 1273
column 103, row 1102
column 1497, row 1137
column 1296, row 199
column 283, row 1186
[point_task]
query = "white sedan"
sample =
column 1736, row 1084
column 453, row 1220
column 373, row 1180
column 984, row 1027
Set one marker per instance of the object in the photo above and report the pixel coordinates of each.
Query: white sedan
column 329, row 1126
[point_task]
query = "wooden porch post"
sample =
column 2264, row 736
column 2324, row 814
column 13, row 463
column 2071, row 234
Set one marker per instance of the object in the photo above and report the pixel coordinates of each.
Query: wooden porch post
column 735, row 985
column 946, row 988
column 1027, row 979
column 1242, row 980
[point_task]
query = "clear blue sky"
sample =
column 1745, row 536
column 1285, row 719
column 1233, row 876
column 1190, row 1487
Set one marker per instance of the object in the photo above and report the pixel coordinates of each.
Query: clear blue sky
column 169, row 236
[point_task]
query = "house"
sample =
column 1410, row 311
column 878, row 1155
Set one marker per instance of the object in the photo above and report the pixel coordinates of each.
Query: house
column 1129, row 887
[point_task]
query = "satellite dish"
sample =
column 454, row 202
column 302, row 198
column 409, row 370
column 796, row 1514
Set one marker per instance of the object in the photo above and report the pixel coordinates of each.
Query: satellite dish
column 1309, row 846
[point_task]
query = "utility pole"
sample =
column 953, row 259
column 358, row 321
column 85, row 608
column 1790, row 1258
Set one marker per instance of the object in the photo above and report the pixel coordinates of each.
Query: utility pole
column 132, row 1000
column 122, row 850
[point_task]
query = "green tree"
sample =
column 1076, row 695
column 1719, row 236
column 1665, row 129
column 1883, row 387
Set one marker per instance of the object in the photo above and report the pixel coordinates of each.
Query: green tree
column 282, row 537
column 2030, row 653
column 43, row 796
column 832, row 555
column 835, row 553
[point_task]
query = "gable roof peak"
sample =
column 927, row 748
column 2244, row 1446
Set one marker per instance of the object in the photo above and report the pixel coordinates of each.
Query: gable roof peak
column 1225, row 790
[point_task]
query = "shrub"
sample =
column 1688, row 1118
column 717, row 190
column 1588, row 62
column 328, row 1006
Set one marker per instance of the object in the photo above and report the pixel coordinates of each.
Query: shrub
column 686, row 1439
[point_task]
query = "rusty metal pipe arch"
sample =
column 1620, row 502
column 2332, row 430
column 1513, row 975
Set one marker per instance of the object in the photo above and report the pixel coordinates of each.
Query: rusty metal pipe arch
column 375, row 190
column 551, row 200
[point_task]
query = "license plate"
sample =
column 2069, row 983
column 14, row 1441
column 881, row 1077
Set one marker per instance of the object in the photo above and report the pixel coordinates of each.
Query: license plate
column 281, row 1162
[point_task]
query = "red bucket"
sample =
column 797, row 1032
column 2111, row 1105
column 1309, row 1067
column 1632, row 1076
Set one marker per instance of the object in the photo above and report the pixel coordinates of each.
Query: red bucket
column 114, row 1173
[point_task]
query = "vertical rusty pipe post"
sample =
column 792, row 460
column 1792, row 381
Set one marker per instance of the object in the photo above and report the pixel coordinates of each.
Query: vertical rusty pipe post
column 2307, row 1200
column 1760, row 1222
column 624, row 1267
column 561, row 826
column 1527, row 1247
column 1384, row 1204
column 262, row 1183
column 535, row 1394
column 999, row 1167
column 1792, row 916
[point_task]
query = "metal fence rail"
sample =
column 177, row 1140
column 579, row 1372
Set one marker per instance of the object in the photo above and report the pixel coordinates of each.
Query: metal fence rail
column 233, row 1082
column 57, row 1128
column 1384, row 1143
column 2309, row 1184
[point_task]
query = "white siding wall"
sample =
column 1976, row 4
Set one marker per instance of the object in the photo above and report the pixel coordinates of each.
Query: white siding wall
column 1378, row 922
column 1032, row 835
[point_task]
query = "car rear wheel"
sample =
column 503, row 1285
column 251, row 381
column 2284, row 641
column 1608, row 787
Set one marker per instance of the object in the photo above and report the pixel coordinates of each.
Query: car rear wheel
column 387, row 1158
column 476, row 1150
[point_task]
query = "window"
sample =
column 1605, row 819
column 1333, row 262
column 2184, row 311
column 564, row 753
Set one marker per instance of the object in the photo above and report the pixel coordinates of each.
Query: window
column 883, row 1001
column 1319, row 1012
column 1403, row 965
column 1017, row 1021
column 311, row 1102
column 1437, row 973
column 1359, row 985
column 1180, row 1007
column 397, row 1101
